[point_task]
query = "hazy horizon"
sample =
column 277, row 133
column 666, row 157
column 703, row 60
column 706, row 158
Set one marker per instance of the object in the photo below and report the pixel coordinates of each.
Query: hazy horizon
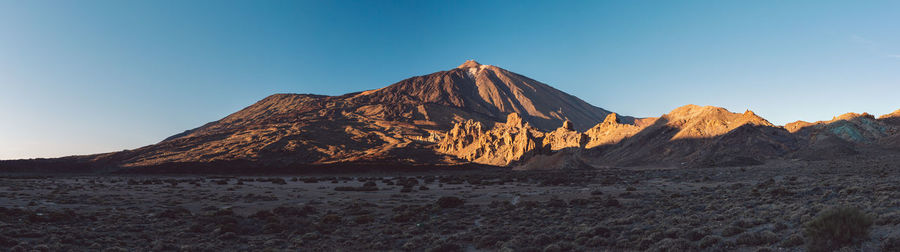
column 102, row 76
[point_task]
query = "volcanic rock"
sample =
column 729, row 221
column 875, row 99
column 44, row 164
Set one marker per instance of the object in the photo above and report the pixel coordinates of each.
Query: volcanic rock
column 611, row 131
column 564, row 137
column 504, row 144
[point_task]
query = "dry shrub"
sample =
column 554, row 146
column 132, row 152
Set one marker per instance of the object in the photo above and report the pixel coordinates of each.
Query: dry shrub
column 837, row 227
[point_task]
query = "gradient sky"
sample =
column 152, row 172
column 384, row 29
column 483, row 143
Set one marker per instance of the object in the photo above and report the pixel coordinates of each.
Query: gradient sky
column 81, row 77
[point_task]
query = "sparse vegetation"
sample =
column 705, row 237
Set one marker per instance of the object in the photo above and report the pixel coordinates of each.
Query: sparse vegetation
column 757, row 238
column 501, row 211
column 837, row 227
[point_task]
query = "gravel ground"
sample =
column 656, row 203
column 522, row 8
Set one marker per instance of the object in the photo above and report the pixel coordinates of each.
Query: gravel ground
column 758, row 208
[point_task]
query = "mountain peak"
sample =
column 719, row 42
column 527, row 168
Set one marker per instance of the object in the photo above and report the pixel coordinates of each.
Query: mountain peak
column 469, row 63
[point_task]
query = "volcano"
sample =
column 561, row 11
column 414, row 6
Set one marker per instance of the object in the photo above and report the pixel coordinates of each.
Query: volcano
column 395, row 124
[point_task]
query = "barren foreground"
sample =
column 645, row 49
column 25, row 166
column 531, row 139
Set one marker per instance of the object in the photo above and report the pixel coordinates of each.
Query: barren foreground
column 739, row 208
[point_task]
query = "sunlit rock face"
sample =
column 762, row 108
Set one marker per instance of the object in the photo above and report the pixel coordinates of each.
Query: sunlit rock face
column 610, row 131
column 501, row 145
column 564, row 137
column 690, row 134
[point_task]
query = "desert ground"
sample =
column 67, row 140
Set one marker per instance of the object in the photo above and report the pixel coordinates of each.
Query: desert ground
column 754, row 208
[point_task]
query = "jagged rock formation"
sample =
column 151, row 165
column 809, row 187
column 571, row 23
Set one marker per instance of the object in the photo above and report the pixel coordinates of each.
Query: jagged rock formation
column 515, row 141
column 692, row 135
column 611, row 131
column 564, row 137
column 504, row 144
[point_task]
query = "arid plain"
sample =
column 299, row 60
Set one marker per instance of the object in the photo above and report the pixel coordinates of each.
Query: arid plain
column 745, row 208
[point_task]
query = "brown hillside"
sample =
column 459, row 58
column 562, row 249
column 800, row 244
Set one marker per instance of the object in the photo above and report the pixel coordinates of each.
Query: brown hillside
column 701, row 136
column 397, row 123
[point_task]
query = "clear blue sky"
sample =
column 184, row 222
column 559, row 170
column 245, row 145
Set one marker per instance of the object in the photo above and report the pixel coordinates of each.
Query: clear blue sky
column 80, row 77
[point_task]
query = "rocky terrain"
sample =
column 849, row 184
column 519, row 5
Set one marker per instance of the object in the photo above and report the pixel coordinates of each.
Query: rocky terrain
column 700, row 136
column 688, row 136
column 743, row 208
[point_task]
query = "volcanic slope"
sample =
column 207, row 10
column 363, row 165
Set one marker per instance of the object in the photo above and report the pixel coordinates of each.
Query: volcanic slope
column 397, row 123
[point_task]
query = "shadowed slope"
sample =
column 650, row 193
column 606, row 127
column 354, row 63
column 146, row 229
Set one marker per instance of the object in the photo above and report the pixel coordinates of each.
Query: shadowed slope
column 852, row 127
column 893, row 118
column 699, row 136
column 841, row 136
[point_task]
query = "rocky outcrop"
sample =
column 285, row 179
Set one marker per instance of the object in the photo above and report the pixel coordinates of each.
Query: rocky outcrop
column 850, row 127
column 564, row 137
column 610, row 131
column 689, row 135
column 694, row 121
column 502, row 145
column 561, row 160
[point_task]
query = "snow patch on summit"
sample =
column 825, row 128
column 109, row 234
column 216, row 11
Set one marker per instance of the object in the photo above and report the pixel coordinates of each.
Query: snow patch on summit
column 472, row 71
